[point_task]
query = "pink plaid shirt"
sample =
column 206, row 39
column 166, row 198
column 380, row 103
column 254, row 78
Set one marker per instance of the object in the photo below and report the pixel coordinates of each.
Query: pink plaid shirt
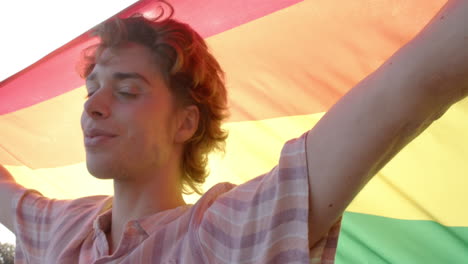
column 262, row 221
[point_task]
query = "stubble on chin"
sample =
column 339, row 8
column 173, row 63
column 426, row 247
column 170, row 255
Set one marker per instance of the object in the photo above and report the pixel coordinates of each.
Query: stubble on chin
column 104, row 169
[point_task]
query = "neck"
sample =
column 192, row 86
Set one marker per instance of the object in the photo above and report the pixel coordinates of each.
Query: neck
column 138, row 197
column 133, row 200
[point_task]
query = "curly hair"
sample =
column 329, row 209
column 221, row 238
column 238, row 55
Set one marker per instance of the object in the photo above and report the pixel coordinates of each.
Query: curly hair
column 191, row 72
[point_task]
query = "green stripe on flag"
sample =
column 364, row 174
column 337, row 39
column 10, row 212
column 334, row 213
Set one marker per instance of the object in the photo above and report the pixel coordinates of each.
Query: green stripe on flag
column 375, row 239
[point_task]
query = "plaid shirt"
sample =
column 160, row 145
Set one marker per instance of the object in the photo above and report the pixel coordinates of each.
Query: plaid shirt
column 262, row 221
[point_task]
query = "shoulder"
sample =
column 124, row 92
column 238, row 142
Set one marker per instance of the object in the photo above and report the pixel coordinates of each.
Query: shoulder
column 212, row 196
column 98, row 203
column 287, row 179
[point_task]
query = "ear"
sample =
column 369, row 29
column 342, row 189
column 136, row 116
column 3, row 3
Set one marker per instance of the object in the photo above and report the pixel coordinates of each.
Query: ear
column 188, row 123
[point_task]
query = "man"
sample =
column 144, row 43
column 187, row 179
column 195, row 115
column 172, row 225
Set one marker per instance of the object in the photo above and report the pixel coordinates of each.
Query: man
column 156, row 101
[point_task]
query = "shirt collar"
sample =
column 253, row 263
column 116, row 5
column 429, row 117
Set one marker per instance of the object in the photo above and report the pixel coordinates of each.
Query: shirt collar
column 104, row 218
column 152, row 222
column 147, row 224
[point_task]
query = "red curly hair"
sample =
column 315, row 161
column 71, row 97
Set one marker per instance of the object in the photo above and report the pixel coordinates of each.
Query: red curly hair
column 191, row 72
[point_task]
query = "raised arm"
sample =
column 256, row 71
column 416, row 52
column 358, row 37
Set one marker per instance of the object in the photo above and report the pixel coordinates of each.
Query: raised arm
column 7, row 187
column 384, row 112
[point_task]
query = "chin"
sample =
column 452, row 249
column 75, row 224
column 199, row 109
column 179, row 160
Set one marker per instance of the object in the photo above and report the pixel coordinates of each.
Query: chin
column 99, row 173
column 102, row 169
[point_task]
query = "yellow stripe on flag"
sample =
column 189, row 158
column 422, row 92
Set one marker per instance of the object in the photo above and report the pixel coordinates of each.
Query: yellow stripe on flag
column 426, row 181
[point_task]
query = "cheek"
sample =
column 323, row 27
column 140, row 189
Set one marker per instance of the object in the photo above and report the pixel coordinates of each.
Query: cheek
column 146, row 127
column 143, row 135
column 145, row 147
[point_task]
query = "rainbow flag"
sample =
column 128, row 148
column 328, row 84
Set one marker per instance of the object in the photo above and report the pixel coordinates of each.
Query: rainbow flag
column 287, row 62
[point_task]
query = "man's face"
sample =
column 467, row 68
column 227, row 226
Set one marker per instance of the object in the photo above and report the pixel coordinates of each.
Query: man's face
column 128, row 118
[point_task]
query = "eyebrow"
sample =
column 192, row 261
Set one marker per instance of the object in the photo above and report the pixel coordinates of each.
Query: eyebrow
column 121, row 76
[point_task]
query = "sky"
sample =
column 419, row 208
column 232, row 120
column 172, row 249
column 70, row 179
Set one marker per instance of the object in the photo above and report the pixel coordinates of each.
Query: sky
column 32, row 29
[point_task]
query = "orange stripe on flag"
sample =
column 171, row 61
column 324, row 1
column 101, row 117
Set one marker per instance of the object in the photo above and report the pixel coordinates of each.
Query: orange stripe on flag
column 303, row 58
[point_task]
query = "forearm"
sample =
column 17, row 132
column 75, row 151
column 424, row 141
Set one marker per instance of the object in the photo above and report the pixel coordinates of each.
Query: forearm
column 418, row 84
column 411, row 90
column 431, row 73
column 440, row 56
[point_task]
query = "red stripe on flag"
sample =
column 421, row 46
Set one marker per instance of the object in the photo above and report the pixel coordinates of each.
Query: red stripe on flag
column 56, row 74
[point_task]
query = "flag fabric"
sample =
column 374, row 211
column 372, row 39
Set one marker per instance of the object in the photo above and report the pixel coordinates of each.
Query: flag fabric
column 286, row 62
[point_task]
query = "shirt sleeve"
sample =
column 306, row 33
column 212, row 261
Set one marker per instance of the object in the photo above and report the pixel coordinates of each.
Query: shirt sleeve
column 266, row 219
column 34, row 215
column 45, row 226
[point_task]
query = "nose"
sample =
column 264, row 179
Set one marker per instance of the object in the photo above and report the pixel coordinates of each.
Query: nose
column 98, row 105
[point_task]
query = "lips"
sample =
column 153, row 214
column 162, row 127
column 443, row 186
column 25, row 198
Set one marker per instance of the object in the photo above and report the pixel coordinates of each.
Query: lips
column 97, row 137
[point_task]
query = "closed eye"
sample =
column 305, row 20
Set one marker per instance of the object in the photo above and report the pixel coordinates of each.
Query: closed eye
column 128, row 95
